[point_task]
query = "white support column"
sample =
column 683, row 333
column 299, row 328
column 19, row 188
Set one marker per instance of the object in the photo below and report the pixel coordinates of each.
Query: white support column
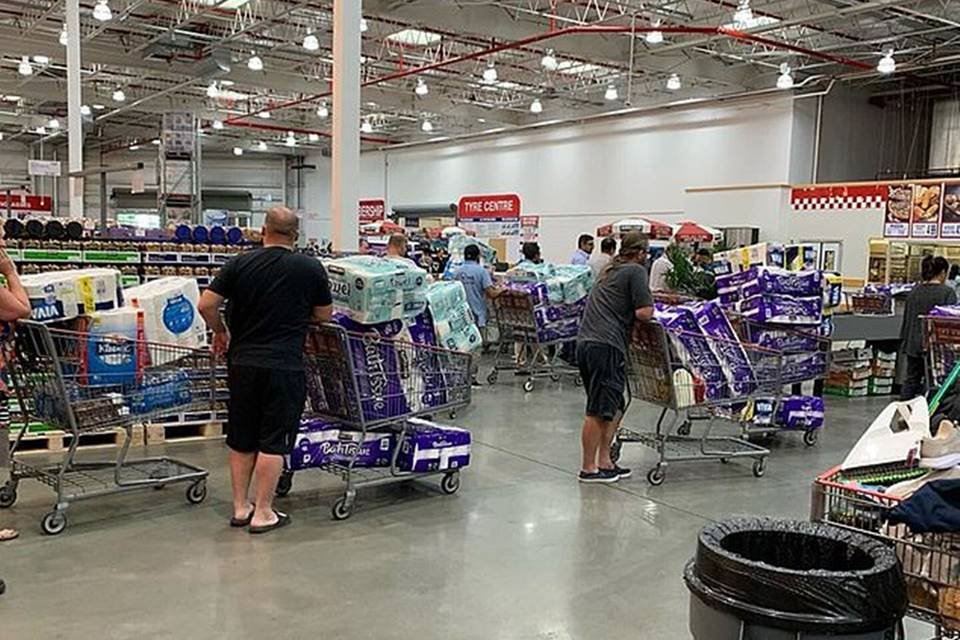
column 345, row 179
column 74, row 100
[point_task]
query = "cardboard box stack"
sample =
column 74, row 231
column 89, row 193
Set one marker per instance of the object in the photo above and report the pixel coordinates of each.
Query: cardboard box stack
column 850, row 369
column 883, row 373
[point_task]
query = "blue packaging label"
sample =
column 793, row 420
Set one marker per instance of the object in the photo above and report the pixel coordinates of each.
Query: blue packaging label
column 178, row 315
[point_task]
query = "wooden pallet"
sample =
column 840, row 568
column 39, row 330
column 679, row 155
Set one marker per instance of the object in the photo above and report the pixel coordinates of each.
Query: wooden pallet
column 54, row 441
column 191, row 417
column 183, row 431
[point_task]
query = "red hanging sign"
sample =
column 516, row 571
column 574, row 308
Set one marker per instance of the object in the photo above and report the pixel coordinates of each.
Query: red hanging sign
column 489, row 207
column 372, row 210
column 22, row 202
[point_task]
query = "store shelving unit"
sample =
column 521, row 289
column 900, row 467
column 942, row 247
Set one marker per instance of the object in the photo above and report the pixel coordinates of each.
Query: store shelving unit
column 893, row 261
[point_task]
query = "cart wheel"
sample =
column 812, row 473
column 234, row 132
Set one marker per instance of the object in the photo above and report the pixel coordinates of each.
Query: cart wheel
column 341, row 510
column 577, row 381
column 684, row 429
column 554, row 377
column 810, row 437
column 492, row 377
column 285, row 484
column 656, row 476
column 759, row 468
column 197, row 492
column 528, row 385
column 616, row 448
column 724, row 460
column 450, row 483
column 8, row 496
column 453, row 414
column 53, row 523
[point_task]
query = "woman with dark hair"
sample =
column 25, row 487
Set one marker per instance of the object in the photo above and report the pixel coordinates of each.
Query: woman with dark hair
column 926, row 295
column 953, row 280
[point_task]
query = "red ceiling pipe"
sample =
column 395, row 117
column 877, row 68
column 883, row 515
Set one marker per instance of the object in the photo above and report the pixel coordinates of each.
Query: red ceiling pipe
column 599, row 29
column 277, row 127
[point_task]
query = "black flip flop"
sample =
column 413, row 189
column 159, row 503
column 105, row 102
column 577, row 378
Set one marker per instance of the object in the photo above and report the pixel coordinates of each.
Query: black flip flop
column 242, row 522
column 282, row 521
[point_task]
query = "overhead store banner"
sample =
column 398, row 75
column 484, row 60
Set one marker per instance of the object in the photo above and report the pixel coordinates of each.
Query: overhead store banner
column 490, row 216
column 372, row 210
column 43, row 168
column 925, row 214
column 838, row 197
column 26, row 204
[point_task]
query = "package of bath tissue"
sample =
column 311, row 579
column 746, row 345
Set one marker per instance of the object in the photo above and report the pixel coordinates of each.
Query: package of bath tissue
column 113, row 352
column 369, row 289
column 453, row 321
column 456, row 245
column 414, row 286
column 320, row 443
column 429, row 447
column 64, row 295
column 170, row 314
column 575, row 282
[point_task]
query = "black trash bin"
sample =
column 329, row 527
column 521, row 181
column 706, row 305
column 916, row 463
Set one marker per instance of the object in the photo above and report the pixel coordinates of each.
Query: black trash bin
column 766, row 579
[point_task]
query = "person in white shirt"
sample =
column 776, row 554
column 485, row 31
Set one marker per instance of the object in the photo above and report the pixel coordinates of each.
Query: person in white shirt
column 584, row 248
column 608, row 247
column 658, row 273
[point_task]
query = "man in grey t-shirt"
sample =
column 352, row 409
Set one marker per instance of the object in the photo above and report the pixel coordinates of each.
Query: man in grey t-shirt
column 620, row 296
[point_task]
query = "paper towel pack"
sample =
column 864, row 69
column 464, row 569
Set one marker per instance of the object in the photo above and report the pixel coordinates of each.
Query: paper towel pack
column 369, row 289
column 64, row 295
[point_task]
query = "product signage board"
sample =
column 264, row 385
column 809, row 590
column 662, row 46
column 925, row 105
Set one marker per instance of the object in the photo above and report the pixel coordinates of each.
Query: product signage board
column 43, row 168
column 486, row 208
column 26, row 204
column 372, row 210
column 925, row 213
column 530, row 228
column 492, row 229
column 950, row 212
column 896, row 223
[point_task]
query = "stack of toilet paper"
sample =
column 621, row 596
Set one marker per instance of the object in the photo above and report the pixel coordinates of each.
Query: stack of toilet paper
column 64, row 295
column 368, row 289
column 170, row 314
column 113, row 352
column 321, row 443
column 456, row 245
column 570, row 283
column 453, row 322
column 414, row 287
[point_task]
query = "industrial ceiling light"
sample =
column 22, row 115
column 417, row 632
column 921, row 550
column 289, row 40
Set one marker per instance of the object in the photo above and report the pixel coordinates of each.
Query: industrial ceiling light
column 426, row 126
column 313, row 137
column 673, row 82
column 218, row 125
column 102, row 11
column 255, row 63
column 887, row 64
column 611, row 93
column 237, row 151
column 743, row 16
column 213, row 91
column 119, row 95
column 656, row 36
column 422, row 88
column 98, row 107
column 536, row 106
column 84, row 110
column 291, row 140
column 41, row 131
column 785, row 81
column 363, row 25
column 310, row 42
column 155, row 142
column 323, row 111
column 41, row 60
column 53, row 124
column 63, row 36
column 490, row 73
column 549, row 61
column 1, row 136
column 264, row 115
column 25, row 68
column 134, row 147
column 366, row 127
column 261, row 146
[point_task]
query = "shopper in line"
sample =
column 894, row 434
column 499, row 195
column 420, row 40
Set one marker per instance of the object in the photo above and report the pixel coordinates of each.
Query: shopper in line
column 531, row 254
column 926, row 295
column 478, row 284
column 953, row 280
column 397, row 246
column 272, row 295
column 608, row 247
column 658, row 272
column 620, row 297
column 703, row 258
column 584, row 248
column 14, row 305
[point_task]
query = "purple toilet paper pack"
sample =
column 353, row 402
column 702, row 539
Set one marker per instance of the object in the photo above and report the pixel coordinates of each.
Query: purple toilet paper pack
column 946, row 311
column 428, row 447
column 772, row 280
column 421, row 329
column 728, row 286
column 537, row 290
column 798, row 367
column 566, row 329
column 735, row 364
column 781, row 339
column 800, row 412
column 430, row 384
column 693, row 349
column 319, row 443
column 779, row 309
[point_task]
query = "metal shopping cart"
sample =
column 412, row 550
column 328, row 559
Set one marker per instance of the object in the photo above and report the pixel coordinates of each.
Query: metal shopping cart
column 371, row 384
column 659, row 376
column 930, row 561
column 54, row 382
column 528, row 349
column 942, row 341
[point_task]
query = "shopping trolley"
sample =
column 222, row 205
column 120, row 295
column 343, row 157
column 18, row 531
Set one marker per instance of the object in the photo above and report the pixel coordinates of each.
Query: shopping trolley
column 930, row 561
column 942, row 345
column 659, row 376
column 56, row 381
column 370, row 384
column 527, row 349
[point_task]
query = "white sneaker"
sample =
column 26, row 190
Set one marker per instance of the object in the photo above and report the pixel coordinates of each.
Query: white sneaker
column 942, row 451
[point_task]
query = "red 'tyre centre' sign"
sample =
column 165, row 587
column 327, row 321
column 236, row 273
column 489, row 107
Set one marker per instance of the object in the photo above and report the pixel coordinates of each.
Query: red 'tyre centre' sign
column 489, row 207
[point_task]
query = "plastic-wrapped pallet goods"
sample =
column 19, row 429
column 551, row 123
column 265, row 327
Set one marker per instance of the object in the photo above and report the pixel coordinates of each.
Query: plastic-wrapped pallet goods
column 368, row 289
column 65, row 295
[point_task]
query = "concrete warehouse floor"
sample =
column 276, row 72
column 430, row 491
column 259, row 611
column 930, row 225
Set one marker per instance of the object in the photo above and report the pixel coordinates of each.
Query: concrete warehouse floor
column 523, row 551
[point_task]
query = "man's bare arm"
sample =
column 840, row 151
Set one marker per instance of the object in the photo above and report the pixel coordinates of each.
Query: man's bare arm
column 323, row 314
column 209, row 308
column 644, row 314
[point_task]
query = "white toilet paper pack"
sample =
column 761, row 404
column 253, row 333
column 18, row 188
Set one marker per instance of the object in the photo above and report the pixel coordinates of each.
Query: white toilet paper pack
column 369, row 289
column 453, row 321
column 414, row 287
column 64, row 295
column 170, row 314
column 575, row 282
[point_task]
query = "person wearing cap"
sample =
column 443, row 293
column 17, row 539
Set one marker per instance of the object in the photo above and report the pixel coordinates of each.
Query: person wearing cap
column 620, row 296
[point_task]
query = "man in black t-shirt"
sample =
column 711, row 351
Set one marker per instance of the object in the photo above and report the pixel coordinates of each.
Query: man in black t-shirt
column 272, row 296
column 620, row 296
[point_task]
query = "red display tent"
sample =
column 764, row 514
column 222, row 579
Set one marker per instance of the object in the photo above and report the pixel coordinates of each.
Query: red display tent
column 695, row 232
column 655, row 229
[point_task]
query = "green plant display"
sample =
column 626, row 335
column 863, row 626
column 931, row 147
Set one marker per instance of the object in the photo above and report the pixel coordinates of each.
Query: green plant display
column 687, row 279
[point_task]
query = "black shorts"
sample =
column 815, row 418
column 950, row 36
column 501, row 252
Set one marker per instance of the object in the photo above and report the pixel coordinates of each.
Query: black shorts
column 604, row 372
column 265, row 408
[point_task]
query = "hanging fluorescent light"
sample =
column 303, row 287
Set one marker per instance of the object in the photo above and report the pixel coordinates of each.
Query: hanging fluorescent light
column 41, row 131
column 887, row 64
column 673, row 82
column 41, row 60
column 422, row 88
column 323, row 111
column 98, row 107
column 490, row 73
column 310, row 42
column 102, row 11
column 363, row 25
column 264, row 115
column 785, row 81
column 1, row 136
column 291, row 141
column 549, row 61
column 366, row 127
column 611, row 93
column 134, row 147
column 84, row 110
column 155, row 142
column 655, row 37
column 218, row 125
column 255, row 63
column 743, row 16
column 25, row 68
column 119, row 95
column 63, row 36
column 261, row 146
column 54, row 123
column 213, row 91
column 536, row 106
column 237, row 151
column 426, row 126
column 313, row 137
